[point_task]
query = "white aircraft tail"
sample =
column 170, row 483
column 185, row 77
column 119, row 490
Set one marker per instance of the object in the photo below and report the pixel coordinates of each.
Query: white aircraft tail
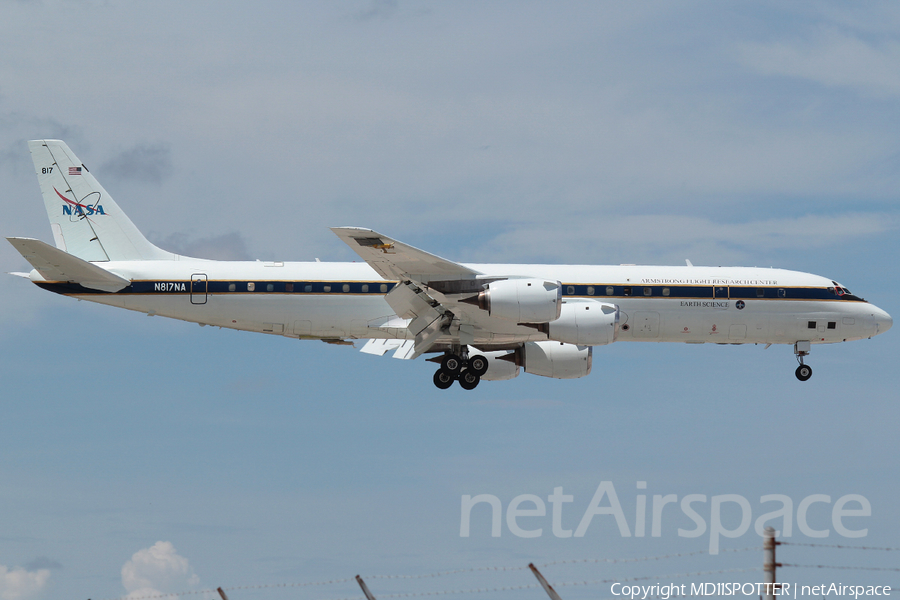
column 86, row 221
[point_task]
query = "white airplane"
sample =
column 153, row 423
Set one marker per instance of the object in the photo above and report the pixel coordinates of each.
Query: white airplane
column 484, row 321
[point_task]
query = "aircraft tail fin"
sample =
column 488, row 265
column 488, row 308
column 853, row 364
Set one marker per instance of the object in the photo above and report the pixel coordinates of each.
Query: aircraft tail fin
column 86, row 221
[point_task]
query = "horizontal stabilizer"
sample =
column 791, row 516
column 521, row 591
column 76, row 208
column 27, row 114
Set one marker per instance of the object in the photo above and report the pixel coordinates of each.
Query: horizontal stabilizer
column 55, row 265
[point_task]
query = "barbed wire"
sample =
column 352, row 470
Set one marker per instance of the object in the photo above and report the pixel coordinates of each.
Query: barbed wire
column 560, row 562
column 439, row 573
column 237, row 587
column 896, row 569
column 641, row 559
column 652, row 577
column 841, row 546
column 561, row 584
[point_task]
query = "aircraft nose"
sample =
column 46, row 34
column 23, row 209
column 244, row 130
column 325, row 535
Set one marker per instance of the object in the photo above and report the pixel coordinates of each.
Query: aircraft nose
column 878, row 320
column 883, row 321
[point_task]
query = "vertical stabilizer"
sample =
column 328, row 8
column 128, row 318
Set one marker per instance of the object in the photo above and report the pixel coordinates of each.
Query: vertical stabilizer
column 86, row 221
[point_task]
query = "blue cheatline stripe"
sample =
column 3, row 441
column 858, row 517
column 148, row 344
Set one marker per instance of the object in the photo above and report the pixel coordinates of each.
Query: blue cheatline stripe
column 695, row 292
column 597, row 291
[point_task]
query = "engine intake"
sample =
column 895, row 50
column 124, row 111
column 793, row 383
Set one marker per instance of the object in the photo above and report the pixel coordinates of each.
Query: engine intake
column 554, row 359
column 521, row 300
column 586, row 323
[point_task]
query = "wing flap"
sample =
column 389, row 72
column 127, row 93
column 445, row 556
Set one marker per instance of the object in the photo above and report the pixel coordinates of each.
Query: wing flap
column 55, row 265
column 402, row 349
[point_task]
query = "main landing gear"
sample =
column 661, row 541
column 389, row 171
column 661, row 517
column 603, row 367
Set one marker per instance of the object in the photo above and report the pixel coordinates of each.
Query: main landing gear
column 804, row 371
column 467, row 371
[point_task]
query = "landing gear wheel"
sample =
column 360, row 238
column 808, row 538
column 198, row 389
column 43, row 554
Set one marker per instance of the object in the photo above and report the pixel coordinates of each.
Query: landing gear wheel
column 451, row 363
column 803, row 372
column 478, row 364
column 443, row 379
column 468, row 380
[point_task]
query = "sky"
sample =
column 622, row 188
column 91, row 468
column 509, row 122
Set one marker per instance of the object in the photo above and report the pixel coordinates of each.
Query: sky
column 141, row 456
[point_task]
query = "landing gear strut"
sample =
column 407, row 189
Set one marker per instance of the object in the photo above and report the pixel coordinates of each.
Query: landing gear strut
column 468, row 370
column 804, row 371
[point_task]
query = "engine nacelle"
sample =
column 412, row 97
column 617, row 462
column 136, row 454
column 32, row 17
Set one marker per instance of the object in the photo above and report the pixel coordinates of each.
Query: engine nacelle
column 522, row 300
column 556, row 359
column 501, row 365
column 586, row 323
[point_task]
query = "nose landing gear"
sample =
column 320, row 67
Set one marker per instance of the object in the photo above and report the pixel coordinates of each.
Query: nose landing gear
column 468, row 370
column 804, row 371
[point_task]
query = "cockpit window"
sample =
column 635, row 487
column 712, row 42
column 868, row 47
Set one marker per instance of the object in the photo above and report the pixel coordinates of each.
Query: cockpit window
column 840, row 290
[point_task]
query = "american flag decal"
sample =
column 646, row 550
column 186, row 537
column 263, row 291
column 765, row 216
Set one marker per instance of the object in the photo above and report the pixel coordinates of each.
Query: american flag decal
column 74, row 170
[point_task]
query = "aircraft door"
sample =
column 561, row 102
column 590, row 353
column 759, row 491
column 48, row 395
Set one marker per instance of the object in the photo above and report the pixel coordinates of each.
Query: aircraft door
column 199, row 288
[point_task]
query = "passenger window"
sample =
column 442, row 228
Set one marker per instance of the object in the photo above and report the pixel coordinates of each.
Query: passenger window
column 811, row 325
column 289, row 287
column 307, row 288
column 610, row 290
column 782, row 293
column 627, row 290
column 251, row 286
column 346, row 287
column 665, row 291
column 760, row 292
column 327, row 288
column 590, row 290
column 648, row 291
column 832, row 324
column 570, row 290
column 365, row 288
column 231, row 287
column 270, row 287
column 383, row 288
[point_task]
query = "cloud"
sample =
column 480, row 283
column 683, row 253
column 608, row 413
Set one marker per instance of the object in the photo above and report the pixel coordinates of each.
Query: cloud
column 19, row 583
column 831, row 58
column 663, row 238
column 521, row 402
column 228, row 246
column 157, row 570
column 16, row 128
column 379, row 9
column 42, row 562
column 147, row 163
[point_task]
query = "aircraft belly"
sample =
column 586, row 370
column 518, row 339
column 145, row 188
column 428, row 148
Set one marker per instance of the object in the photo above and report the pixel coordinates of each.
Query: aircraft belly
column 316, row 317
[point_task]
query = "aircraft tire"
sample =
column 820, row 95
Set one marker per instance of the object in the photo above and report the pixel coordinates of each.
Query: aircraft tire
column 478, row 364
column 452, row 364
column 468, row 380
column 443, row 379
column 803, row 372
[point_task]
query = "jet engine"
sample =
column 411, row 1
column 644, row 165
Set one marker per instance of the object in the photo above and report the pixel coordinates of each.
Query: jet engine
column 555, row 359
column 499, row 368
column 521, row 300
column 586, row 323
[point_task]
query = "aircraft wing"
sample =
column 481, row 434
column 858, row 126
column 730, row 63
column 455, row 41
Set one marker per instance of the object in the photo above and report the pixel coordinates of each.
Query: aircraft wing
column 414, row 269
column 398, row 261
column 56, row 265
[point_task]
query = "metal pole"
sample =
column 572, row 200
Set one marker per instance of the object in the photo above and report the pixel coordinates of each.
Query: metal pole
column 365, row 588
column 222, row 593
column 547, row 587
column 769, row 564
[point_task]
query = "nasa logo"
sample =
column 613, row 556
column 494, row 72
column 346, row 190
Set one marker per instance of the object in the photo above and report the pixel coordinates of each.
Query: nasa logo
column 740, row 304
column 73, row 208
column 79, row 210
